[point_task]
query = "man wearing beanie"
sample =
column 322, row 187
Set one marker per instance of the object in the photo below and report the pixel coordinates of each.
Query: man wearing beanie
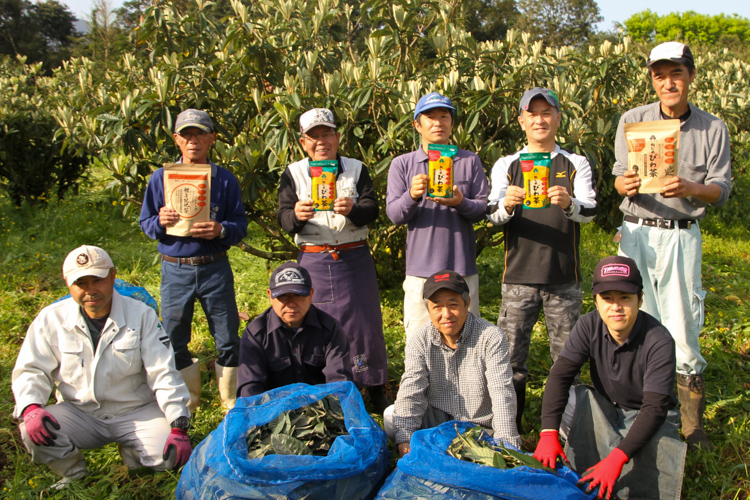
column 622, row 433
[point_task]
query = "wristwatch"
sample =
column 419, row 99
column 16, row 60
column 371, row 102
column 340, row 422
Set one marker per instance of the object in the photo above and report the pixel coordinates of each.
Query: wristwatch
column 569, row 211
column 223, row 232
column 181, row 423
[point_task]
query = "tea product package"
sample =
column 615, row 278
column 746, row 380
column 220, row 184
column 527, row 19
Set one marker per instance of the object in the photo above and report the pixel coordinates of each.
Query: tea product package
column 323, row 174
column 536, row 172
column 441, row 170
column 187, row 189
column 652, row 152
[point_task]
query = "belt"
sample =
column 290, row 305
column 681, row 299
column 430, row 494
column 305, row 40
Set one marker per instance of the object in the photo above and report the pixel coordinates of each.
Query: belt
column 196, row 261
column 661, row 223
column 332, row 249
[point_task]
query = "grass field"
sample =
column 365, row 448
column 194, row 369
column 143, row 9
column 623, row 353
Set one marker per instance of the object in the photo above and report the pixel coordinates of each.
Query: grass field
column 36, row 240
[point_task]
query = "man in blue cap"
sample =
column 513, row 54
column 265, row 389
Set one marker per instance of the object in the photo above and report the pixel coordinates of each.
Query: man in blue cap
column 440, row 230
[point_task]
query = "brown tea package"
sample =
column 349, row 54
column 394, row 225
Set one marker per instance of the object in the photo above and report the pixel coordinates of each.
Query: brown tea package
column 187, row 189
column 652, row 152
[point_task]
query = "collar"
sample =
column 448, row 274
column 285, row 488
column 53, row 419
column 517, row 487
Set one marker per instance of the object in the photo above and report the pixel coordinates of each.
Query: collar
column 437, row 340
column 74, row 316
column 311, row 320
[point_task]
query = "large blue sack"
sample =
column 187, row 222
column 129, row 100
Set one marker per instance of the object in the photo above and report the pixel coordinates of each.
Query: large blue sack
column 353, row 469
column 429, row 473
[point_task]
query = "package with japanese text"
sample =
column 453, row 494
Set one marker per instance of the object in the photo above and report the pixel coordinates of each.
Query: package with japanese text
column 441, row 170
column 323, row 175
column 187, row 189
column 652, row 152
column 536, row 170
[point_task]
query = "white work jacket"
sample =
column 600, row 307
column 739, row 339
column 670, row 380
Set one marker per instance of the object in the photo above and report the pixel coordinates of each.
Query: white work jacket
column 133, row 364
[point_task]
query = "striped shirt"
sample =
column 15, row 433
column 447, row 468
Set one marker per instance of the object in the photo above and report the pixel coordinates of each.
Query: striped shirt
column 472, row 383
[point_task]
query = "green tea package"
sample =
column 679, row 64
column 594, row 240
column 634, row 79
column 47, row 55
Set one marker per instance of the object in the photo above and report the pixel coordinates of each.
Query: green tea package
column 652, row 152
column 441, row 170
column 323, row 174
column 536, row 173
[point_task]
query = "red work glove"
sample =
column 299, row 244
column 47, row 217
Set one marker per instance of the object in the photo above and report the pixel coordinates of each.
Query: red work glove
column 35, row 417
column 549, row 448
column 605, row 473
column 178, row 449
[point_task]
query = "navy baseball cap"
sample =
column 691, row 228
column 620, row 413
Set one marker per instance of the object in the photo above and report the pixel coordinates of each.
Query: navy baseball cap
column 193, row 118
column 444, row 279
column 431, row 101
column 671, row 51
column 547, row 94
column 617, row 273
column 290, row 277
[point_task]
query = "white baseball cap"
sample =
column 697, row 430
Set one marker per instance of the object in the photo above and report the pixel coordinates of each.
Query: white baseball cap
column 86, row 260
column 314, row 117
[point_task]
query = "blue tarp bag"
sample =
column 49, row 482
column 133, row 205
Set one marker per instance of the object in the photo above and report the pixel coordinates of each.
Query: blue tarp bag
column 127, row 290
column 429, row 473
column 353, row 469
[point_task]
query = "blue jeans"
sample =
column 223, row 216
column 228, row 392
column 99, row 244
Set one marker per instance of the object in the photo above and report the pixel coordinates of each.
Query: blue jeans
column 213, row 285
column 655, row 472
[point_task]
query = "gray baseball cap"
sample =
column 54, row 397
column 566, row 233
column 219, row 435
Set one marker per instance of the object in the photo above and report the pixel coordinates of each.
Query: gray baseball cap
column 547, row 94
column 193, row 118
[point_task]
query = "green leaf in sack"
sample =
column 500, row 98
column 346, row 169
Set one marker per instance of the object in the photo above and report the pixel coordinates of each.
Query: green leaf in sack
column 283, row 444
column 482, row 455
column 525, row 459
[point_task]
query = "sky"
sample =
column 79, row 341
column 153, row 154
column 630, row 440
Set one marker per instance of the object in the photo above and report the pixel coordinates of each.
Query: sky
column 612, row 10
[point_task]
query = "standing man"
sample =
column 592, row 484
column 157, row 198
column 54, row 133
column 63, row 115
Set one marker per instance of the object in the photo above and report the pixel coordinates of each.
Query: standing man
column 542, row 267
column 197, row 266
column 112, row 369
column 456, row 368
column 661, row 231
column 623, row 431
column 292, row 341
column 333, row 248
column 432, row 222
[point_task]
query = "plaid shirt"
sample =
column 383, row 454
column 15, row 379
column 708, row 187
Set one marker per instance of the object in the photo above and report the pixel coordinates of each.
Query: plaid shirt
column 472, row 383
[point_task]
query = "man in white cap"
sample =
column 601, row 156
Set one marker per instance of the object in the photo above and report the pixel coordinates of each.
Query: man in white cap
column 661, row 231
column 111, row 366
column 334, row 250
column 197, row 266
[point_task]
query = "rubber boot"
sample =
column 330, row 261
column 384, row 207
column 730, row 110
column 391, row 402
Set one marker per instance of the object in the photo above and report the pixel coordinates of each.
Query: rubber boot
column 226, row 378
column 378, row 398
column 70, row 468
column 192, row 376
column 691, row 390
column 520, row 388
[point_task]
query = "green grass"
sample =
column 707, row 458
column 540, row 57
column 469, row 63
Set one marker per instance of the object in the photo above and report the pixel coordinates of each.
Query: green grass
column 36, row 240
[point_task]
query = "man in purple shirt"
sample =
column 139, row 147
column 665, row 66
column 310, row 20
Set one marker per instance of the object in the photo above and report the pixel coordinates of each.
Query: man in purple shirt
column 440, row 230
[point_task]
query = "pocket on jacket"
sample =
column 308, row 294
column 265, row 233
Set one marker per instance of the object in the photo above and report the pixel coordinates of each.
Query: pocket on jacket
column 127, row 354
column 279, row 364
column 71, row 357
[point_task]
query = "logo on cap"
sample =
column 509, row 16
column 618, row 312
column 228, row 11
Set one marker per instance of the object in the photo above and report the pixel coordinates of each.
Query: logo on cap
column 619, row 270
column 82, row 259
column 442, row 277
column 290, row 277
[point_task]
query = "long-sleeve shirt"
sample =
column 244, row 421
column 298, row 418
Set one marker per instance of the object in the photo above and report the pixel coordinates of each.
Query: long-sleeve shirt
column 272, row 355
column 438, row 237
column 226, row 208
column 472, row 383
column 703, row 157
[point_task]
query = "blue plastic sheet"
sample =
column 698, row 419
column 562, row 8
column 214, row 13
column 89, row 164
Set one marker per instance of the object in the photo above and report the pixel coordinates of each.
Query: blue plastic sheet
column 353, row 469
column 429, row 473
column 136, row 292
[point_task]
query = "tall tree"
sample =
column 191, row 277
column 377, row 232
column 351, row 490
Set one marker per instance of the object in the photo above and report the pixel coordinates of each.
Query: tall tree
column 489, row 19
column 559, row 22
column 689, row 27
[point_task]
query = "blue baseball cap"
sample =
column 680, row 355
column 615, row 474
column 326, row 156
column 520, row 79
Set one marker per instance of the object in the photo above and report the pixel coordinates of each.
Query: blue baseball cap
column 290, row 277
column 431, row 101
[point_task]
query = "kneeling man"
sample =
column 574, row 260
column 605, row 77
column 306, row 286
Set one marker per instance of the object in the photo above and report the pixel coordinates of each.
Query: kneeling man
column 624, row 431
column 112, row 366
column 457, row 367
column 292, row 341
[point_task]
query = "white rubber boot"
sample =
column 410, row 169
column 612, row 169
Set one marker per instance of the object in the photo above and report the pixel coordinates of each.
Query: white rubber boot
column 226, row 378
column 70, row 468
column 192, row 376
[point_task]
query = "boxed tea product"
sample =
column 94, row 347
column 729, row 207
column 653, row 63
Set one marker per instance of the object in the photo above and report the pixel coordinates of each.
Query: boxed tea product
column 323, row 174
column 536, row 172
column 187, row 189
column 441, row 170
column 652, row 152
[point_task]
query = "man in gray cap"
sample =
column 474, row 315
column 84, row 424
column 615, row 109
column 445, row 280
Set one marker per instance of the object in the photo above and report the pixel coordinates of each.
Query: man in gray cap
column 661, row 231
column 197, row 266
column 541, row 245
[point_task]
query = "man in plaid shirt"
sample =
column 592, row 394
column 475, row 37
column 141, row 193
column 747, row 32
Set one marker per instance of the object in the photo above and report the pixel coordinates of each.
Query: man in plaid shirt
column 457, row 367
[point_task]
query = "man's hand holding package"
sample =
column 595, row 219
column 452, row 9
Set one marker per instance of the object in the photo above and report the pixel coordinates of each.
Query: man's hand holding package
column 514, row 196
column 419, row 184
column 628, row 183
column 558, row 195
column 304, row 210
column 206, row 230
column 343, row 206
column 457, row 198
column 168, row 216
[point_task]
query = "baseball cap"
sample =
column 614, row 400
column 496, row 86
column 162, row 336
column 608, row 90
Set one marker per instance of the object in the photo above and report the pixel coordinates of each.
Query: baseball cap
column 431, row 101
column 290, row 277
column 193, row 118
column 444, row 279
column 314, row 117
column 617, row 273
column 548, row 95
column 86, row 260
column 671, row 51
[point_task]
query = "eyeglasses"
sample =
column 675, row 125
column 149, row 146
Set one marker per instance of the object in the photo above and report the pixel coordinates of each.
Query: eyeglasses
column 198, row 134
column 327, row 136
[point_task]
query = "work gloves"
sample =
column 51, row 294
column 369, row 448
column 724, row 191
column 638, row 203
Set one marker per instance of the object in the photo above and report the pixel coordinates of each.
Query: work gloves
column 605, row 473
column 177, row 450
column 35, row 419
column 549, row 448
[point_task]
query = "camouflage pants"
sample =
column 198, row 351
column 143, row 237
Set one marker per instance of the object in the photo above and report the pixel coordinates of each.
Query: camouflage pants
column 520, row 311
